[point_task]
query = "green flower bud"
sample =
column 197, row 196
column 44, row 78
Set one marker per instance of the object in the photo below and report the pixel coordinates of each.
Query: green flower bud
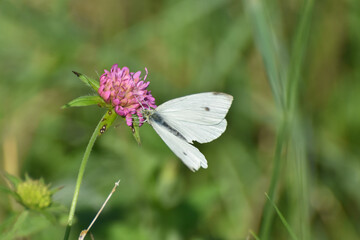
column 34, row 194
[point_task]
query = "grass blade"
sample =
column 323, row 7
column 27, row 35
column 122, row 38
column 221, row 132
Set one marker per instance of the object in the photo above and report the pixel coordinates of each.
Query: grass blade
column 268, row 211
column 266, row 41
column 299, row 48
column 254, row 235
column 282, row 218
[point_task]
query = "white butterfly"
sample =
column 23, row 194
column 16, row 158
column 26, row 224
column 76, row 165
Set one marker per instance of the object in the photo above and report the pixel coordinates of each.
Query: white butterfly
column 198, row 117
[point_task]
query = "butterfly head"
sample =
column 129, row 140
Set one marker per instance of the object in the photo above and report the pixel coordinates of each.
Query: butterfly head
column 146, row 113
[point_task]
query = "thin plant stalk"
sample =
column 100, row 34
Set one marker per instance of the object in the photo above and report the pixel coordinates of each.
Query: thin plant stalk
column 84, row 232
column 268, row 213
column 81, row 174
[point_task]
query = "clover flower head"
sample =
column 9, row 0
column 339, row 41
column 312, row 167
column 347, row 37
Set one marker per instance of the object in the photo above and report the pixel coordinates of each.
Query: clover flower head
column 126, row 92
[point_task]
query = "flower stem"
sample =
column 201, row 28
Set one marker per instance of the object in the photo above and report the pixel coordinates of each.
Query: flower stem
column 89, row 147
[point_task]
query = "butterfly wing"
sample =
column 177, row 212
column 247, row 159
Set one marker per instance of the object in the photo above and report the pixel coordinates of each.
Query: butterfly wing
column 190, row 155
column 198, row 117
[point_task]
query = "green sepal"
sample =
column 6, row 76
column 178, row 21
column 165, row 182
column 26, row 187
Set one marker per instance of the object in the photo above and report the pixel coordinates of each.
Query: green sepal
column 85, row 101
column 54, row 190
column 13, row 182
column 88, row 81
column 136, row 132
column 11, row 192
column 107, row 121
column 12, row 179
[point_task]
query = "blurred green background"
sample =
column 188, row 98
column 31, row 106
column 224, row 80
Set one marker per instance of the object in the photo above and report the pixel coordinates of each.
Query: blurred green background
column 249, row 49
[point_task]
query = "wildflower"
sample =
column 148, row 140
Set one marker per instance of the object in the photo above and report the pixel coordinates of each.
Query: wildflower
column 34, row 194
column 126, row 92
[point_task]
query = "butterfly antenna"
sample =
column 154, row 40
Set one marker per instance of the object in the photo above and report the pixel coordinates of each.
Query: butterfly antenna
column 139, row 102
column 148, row 105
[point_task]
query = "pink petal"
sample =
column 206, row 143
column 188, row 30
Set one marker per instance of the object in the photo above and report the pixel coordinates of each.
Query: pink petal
column 136, row 75
column 106, row 95
column 146, row 73
column 114, row 68
column 129, row 120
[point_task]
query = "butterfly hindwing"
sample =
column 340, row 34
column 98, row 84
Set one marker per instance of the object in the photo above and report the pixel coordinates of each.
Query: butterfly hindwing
column 190, row 155
column 201, row 108
column 198, row 117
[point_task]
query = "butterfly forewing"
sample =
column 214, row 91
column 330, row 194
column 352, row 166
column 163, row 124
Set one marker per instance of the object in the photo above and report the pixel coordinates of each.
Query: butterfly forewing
column 202, row 108
column 198, row 117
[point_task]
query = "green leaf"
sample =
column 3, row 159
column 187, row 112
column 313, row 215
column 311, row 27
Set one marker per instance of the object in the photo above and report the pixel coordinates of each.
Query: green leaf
column 136, row 133
column 107, row 121
column 88, row 81
column 20, row 221
column 85, row 101
column 7, row 223
column 33, row 222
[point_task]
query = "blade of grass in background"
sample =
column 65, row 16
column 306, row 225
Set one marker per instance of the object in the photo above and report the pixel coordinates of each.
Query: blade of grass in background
column 254, row 235
column 263, row 32
column 268, row 211
column 285, row 97
column 283, row 220
column 297, row 182
column 299, row 166
column 267, row 42
column 298, row 52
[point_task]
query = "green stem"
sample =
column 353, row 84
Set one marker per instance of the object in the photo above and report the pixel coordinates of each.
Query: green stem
column 89, row 147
